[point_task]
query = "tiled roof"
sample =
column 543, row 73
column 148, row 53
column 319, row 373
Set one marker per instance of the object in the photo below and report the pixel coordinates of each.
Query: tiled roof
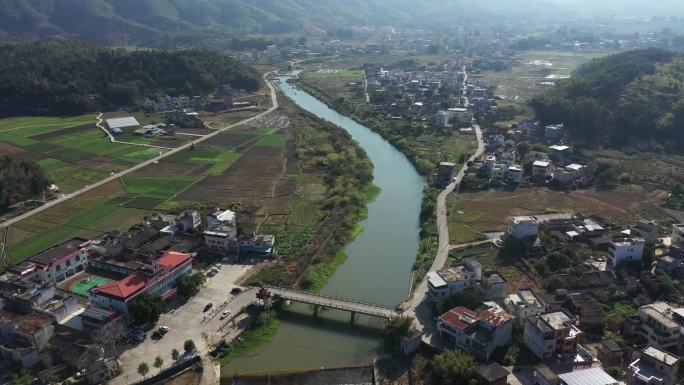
column 126, row 287
column 173, row 259
column 460, row 317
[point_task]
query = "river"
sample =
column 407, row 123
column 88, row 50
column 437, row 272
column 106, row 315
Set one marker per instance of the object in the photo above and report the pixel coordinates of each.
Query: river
column 378, row 268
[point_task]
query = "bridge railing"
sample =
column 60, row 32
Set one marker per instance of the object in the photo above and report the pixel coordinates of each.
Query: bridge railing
column 332, row 297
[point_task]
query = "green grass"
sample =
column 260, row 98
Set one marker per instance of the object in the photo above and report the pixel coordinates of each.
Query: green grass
column 350, row 74
column 77, row 287
column 61, row 233
column 318, row 274
column 157, row 188
column 254, row 338
column 222, row 162
column 274, row 140
column 35, row 125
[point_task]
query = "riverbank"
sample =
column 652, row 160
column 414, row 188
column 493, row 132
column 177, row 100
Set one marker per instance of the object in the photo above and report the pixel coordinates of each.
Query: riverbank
column 376, row 265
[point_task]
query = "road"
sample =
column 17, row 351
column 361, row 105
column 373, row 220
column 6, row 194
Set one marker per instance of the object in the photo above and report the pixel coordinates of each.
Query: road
column 113, row 140
column 113, row 177
column 417, row 306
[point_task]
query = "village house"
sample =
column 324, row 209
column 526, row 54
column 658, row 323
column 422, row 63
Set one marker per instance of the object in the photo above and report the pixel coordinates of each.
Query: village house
column 535, row 155
column 258, row 243
column 515, row 173
column 24, row 336
column 554, row 133
column 523, row 227
column 569, row 174
column 559, row 152
column 653, row 366
column 492, row 374
column 659, row 325
column 524, row 303
column 611, row 353
column 478, row 334
column 456, row 279
column 552, row 335
column 541, row 169
column 493, row 285
column 678, row 235
column 62, row 261
column 543, row 375
column 591, row 318
column 27, row 294
column 445, row 174
column 221, row 233
column 646, row 230
column 624, row 250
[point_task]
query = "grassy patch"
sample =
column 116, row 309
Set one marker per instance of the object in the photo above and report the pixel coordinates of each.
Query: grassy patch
column 254, row 338
column 274, row 140
column 35, row 125
column 222, row 162
column 350, row 74
column 318, row 274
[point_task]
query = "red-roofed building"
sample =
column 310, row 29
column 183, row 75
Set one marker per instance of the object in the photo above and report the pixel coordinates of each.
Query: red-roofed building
column 157, row 278
column 478, row 334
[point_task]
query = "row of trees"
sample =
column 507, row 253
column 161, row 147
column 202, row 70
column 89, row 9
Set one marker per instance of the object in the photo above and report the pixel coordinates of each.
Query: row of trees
column 57, row 77
column 144, row 368
column 20, row 180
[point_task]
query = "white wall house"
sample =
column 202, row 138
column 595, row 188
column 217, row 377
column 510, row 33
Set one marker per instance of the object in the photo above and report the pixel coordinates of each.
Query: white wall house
column 623, row 250
column 524, row 303
column 523, row 227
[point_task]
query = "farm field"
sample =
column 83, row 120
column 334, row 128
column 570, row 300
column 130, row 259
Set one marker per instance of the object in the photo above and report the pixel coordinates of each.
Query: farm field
column 521, row 82
column 333, row 83
column 471, row 213
column 72, row 150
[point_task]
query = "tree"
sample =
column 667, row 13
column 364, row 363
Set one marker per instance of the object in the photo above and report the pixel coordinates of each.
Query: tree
column 22, row 378
column 143, row 369
column 401, row 327
column 174, row 354
column 557, row 260
column 189, row 284
column 146, row 308
column 189, row 346
column 452, row 367
column 158, row 362
column 513, row 248
column 20, row 180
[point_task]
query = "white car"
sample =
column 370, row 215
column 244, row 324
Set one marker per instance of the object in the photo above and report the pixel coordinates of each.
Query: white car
column 225, row 314
column 164, row 329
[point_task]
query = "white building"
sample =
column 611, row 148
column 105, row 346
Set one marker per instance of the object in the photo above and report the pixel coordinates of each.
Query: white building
column 541, row 169
column 523, row 227
column 62, row 261
column 223, row 217
column 489, row 162
column 623, row 250
column 653, row 367
column 524, row 303
column 446, row 282
column 221, row 233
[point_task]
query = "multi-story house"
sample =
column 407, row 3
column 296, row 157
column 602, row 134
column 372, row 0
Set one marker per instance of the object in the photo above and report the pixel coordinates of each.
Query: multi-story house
column 660, row 325
column 523, row 227
column 62, row 261
column 624, row 250
column 653, row 367
column 24, row 336
column 479, row 334
column 524, row 303
column 446, row 282
column 221, row 233
column 552, row 335
column 493, row 285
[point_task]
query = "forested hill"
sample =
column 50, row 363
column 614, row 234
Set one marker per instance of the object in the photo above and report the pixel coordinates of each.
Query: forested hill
column 187, row 22
column 67, row 77
column 628, row 98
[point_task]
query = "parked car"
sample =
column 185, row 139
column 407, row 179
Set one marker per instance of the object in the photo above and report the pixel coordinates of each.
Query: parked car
column 225, row 314
column 164, row 329
column 80, row 374
column 217, row 266
column 235, row 290
column 208, row 306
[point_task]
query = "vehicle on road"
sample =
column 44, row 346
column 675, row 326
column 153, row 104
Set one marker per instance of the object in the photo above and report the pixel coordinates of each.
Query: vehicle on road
column 217, row 266
column 164, row 329
column 235, row 290
column 208, row 306
column 225, row 314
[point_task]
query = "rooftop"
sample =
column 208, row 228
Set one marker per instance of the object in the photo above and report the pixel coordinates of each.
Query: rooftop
column 435, row 279
column 540, row 163
column 24, row 323
column 55, row 253
column 492, row 372
column 460, row 317
column 593, row 376
column 122, row 122
column 557, row 319
column 557, row 147
column 660, row 355
column 224, row 216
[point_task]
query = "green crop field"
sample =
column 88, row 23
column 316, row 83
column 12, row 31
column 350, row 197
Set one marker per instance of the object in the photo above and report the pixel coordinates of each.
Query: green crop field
column 274, row 140
column 350, row 74
column 34, row 125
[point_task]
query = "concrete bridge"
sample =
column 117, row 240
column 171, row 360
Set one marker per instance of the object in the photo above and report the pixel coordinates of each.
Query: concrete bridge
column 327, row 301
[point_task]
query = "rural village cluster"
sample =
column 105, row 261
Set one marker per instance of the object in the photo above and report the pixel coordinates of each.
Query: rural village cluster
column 82, row 296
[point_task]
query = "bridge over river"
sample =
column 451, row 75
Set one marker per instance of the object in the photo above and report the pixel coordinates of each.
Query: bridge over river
column 332, row 302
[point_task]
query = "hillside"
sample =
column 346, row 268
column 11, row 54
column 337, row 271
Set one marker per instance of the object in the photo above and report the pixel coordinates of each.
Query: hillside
column 628, row 98
column 65, row 77
column 158, row 22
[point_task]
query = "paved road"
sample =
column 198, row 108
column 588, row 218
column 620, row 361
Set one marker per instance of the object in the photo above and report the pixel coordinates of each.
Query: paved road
column 113, row 177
